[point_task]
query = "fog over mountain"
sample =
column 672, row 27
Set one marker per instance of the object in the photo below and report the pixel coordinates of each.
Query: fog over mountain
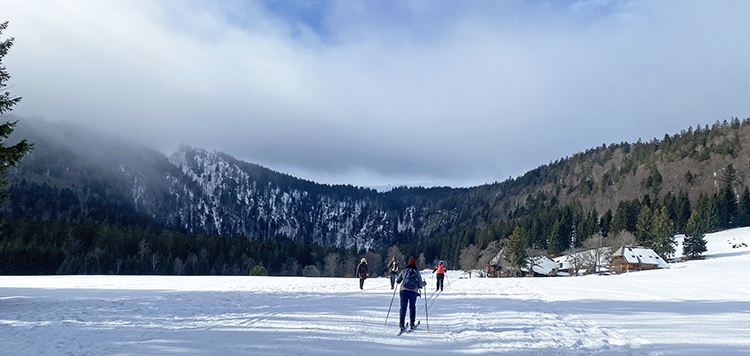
column 378, row 93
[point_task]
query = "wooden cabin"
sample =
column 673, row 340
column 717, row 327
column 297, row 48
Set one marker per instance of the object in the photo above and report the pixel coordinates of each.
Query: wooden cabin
column 636, row 258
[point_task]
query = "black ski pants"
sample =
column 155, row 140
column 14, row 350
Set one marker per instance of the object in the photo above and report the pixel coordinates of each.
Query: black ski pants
column 440, row 278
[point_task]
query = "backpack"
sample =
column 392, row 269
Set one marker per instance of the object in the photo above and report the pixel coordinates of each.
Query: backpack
column 411, row 279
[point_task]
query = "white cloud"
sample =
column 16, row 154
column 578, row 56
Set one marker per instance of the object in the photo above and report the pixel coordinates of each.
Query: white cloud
column 439, row 92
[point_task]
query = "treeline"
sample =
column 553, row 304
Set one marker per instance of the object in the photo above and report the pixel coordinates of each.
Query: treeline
column 63, row 247
column 28, row 246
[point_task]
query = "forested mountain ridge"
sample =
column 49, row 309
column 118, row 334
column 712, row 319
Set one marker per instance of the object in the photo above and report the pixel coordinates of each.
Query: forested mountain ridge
column 81, row 176
column 600, row 178
column 78, row 175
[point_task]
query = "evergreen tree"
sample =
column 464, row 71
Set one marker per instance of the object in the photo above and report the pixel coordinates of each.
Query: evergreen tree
column 743, row 208
column 619, row 220
column 694, row 244
column 9, row 155
column 683, row 212
column 662, row 234
column 689, row 177
column 587, row 227
column 626, row 216
column 712, row 214
column 727, row 199
column 560, row 237
column 515, row 250
column 643, row 227
column 605, row 223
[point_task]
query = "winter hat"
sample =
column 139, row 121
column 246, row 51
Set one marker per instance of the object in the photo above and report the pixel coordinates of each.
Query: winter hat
column 363, row 260
column 412, row 262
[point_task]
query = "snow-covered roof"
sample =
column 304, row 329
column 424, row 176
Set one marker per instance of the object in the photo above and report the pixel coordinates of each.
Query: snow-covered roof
column 497, row 259
column 627, row 253
column 649, row 257
column 640, row 254
column 542, row 265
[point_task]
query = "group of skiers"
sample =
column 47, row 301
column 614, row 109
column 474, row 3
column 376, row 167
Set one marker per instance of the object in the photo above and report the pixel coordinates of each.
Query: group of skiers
column 411, row 282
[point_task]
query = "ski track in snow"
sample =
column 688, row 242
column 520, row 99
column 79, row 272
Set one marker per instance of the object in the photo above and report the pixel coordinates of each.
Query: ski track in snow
column 694, row 308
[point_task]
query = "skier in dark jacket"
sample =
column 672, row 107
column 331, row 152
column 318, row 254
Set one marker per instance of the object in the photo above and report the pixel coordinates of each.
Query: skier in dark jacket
column 412, row 282
column 362, row 272
column 393, row 268
column 440, row 269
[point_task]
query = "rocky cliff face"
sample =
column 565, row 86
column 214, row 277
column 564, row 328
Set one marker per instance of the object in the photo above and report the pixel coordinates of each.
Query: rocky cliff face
column 215, row 193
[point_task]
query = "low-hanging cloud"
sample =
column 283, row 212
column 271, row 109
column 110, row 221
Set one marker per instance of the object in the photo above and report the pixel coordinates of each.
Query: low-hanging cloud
column 376, row 93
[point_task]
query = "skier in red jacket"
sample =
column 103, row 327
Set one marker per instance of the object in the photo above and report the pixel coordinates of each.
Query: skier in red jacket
column 440, row 269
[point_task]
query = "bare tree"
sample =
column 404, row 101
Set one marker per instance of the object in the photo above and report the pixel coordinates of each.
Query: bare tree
column 179, row 266
column 143, row 251
column 468, row 258
column 290, row 266
column 421, row 263
column 98, row 253
column 598, row 254
column 374, row 263
column 154, row 262
column 331, row 265
column 310, row 271
column 350, row 267
column 577, row 260
column 620, row 239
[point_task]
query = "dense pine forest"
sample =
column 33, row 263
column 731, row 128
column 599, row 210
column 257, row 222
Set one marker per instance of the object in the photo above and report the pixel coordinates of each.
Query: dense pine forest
column 650, row 190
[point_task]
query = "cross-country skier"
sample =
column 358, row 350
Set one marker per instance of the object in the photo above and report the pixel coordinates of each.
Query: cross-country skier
column 362, row 272
column 440, row 269
column 393, row 267
column 412, row 282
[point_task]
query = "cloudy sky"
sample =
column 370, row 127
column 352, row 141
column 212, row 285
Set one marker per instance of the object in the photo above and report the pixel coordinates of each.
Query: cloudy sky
column 389, row 92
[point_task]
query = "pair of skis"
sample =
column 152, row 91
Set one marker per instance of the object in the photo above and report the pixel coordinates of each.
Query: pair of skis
column 408, row 330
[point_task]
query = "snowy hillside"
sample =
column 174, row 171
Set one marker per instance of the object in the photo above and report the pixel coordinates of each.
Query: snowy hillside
column 693, row 308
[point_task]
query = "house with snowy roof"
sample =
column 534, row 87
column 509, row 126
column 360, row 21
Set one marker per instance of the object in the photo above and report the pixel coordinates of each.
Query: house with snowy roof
column 584, row 262
column 637, row 258
column 541, row 266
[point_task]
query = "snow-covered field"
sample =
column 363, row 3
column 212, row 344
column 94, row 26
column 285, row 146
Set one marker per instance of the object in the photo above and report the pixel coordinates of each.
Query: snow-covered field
column 693, row 308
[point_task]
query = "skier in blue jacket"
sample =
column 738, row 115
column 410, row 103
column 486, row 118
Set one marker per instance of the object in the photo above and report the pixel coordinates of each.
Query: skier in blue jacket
column 409, row 291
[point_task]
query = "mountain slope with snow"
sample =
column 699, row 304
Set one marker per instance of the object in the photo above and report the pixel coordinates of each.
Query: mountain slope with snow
column 694, row 308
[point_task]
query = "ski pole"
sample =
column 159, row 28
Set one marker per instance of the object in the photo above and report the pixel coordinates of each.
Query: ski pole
column 389, row 307
column 426, row 318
